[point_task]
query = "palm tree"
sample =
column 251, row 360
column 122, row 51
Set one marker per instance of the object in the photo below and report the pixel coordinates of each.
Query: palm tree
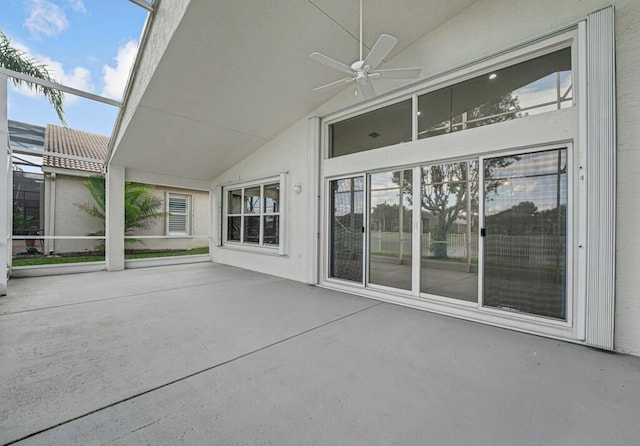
column 141, row 206
column 16, row 60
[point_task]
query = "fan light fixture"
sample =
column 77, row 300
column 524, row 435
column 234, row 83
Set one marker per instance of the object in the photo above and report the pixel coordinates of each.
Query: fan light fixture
column 362, row 70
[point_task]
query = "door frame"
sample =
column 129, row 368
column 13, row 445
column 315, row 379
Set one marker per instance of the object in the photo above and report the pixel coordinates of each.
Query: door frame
column 572, row 228
column 435, row 297
column 326, row 224
column 385, row 288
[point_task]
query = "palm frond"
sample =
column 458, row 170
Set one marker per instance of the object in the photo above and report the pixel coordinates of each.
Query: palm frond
column 141, row 206
column 16, row 60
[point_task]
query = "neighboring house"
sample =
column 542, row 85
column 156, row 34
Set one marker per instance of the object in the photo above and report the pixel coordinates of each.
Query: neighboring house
column 64, row 190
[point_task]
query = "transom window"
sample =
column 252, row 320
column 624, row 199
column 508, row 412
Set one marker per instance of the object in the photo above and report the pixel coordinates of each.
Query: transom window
column 253, row 215
column 378, row 128
column 538, row 85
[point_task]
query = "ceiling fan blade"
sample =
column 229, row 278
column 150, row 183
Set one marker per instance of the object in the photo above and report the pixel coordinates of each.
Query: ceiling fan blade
column 329, row 62
column 367, row 90
column 396, row 73
column 344, row 81
column 380, row 50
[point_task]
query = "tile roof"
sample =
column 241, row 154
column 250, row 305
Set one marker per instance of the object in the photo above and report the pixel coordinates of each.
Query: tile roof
column 76, row 143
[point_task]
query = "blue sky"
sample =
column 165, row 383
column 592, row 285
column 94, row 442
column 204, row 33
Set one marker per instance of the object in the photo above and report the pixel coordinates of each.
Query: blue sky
column 87, row 44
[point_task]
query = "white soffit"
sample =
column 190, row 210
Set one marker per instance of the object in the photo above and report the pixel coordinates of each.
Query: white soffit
column 234, row 76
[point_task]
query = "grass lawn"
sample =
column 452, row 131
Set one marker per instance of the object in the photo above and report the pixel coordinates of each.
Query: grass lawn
column 42, row 260
column 186, row 252
column 35, row 260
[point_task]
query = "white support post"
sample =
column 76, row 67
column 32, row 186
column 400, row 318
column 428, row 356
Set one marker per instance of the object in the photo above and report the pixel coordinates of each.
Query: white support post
column 5, row 180
column 114, row 222
column 216, row 218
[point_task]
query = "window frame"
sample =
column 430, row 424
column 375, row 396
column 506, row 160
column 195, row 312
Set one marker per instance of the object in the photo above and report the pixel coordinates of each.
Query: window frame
column 566, row 38
column 261, row 246
column 188, row 220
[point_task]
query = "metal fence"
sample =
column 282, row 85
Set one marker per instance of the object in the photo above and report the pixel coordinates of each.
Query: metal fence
column 526, row 250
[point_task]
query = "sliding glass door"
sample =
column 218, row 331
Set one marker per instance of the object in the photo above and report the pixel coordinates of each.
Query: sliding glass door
column 347, row 229
column 449, row 239
column 390, row 228
column 525, row 235
column 489, row 232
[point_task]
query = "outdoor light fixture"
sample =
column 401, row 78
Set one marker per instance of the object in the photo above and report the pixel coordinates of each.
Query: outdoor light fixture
column 492, row 76
column 297, row 188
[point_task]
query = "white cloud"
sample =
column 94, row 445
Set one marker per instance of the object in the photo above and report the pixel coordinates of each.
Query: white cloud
column 115, row 78
column 45, row 19
column 77, row 77
column 77, row 6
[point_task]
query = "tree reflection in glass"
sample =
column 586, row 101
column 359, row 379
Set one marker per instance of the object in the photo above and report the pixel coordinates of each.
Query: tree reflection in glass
column 449, row 213
column 390, row 224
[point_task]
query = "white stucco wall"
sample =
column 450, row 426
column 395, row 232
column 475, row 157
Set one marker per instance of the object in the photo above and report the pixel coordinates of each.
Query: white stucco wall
column 69, row 219
column 627, row 332
column 200, row 217
column 486, row 27
column 286, row 153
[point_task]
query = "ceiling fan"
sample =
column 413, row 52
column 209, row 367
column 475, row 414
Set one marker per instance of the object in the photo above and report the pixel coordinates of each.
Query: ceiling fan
column 362, row 71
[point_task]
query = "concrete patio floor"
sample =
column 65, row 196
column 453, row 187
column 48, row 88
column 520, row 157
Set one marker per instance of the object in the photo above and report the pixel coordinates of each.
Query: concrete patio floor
column 210, row 354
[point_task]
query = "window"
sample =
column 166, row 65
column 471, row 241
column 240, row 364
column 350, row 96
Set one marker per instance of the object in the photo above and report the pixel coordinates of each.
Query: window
column 253, row 214
column 379, row 128
column 537, row 85
column 178, row 218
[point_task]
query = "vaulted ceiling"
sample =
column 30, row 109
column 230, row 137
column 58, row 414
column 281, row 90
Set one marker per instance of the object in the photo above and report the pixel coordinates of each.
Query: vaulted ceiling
column 235, row 74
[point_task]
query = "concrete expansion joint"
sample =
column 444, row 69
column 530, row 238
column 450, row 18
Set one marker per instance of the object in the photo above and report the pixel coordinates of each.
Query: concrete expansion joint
column 182, row 287
column 191, row 375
